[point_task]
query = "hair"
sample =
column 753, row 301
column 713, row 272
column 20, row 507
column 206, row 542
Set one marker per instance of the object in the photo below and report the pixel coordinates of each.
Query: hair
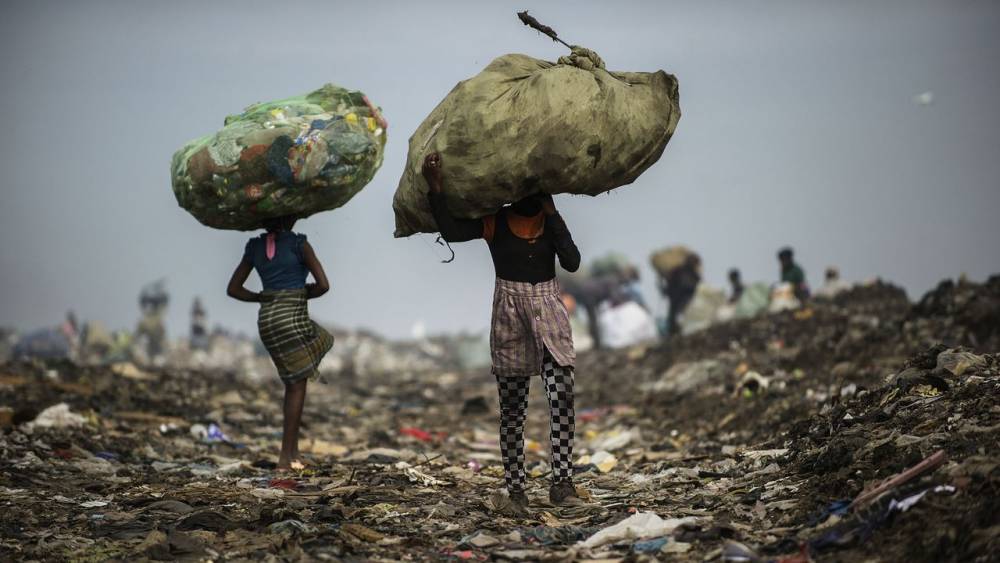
column 785, row 253
column 530, row 205
column 278, row 224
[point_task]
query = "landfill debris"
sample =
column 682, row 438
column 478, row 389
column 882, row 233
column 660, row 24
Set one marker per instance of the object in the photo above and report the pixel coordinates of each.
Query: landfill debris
column 625, row 324
column 480, row 540
column 775, row 470
column 417, row 476
column 638, row 526
column 57, row 416
column 650, row 546
column 929, row 464
column 603, row 461
column 297, row 156
column 599, row 130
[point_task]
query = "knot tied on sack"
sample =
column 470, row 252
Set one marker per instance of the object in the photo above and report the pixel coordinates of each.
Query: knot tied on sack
column 582, row 58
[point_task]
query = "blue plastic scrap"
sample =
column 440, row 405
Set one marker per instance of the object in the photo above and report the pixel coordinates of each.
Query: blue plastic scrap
column 650, row 546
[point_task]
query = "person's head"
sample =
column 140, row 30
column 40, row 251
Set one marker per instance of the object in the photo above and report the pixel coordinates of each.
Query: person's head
column 734, row 277
column 693, row 262
column 631, row 274
column 527, row 207
column 832, row 274
column 279, row 224
column 785, row 256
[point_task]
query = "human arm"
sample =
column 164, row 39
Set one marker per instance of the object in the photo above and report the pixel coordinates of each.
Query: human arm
column 566, row 250
column 322, row 284
column 452, row 229
column 236, row 289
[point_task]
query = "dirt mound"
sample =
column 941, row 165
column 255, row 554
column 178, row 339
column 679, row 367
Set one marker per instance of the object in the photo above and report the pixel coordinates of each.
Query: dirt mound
column 972, row 310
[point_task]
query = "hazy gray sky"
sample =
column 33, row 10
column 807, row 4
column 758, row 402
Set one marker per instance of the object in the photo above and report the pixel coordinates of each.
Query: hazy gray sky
column 798, row 128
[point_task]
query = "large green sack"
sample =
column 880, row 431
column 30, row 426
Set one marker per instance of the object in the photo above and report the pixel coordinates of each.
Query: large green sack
column 296, row 156
column 524, row 126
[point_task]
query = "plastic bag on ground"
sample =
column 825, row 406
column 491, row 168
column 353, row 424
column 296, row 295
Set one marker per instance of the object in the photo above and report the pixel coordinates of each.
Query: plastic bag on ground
column 641, row 525
column 702, row 311
column 783, row 298
column 57, row 416
column 297, row 156
column 625, row 325
column 524, row 126
column 753, row 301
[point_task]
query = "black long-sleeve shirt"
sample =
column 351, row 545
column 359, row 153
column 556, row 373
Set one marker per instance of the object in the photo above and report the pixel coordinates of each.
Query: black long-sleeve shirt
column 517, row 255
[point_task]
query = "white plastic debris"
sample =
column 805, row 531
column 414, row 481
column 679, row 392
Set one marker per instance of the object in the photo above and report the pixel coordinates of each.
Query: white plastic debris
column 603, row 460
column 57, row 416
column 417, row 476
column 638, row 526
column 614, row 439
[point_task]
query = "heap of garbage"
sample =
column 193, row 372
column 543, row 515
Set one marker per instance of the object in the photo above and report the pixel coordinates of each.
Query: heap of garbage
column 858, row 428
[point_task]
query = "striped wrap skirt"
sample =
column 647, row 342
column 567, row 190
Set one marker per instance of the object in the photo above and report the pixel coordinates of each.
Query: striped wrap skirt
column 529, row 319
column 296, row 343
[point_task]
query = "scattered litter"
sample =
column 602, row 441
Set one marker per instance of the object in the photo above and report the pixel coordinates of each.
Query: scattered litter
column 604, row 461
column 57, row 416
column 638, row 526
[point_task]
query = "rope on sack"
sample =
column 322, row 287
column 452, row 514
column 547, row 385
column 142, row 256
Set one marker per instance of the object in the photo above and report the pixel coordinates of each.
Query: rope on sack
column 579, row 57
column 440, row 240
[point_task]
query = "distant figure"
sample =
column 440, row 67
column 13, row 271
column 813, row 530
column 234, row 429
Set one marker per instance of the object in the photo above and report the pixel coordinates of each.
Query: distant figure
column 283, row 260
column 590, row 293
column 792, row 273
column 736, row 282
column 71, row 330
column 61, row 342
column 199, row 326
column 630, row 286
column 96, row 343
column 153, row 300
column 832, row 285
column 678, row 287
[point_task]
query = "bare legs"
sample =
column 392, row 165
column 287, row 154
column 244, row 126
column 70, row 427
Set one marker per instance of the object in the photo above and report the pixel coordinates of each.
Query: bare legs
column 295, row 397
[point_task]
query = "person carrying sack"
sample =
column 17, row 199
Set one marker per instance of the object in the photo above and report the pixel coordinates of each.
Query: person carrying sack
column 295, row 342
column 530, row 332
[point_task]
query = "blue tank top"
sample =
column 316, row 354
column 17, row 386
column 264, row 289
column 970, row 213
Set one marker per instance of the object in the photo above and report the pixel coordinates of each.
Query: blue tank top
column 287, row 269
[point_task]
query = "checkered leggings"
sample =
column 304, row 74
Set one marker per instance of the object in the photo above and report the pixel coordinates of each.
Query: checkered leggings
column 558, row 382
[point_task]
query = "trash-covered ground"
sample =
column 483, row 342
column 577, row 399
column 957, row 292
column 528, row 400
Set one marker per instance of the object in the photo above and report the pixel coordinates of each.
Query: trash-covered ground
column 812, row 433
